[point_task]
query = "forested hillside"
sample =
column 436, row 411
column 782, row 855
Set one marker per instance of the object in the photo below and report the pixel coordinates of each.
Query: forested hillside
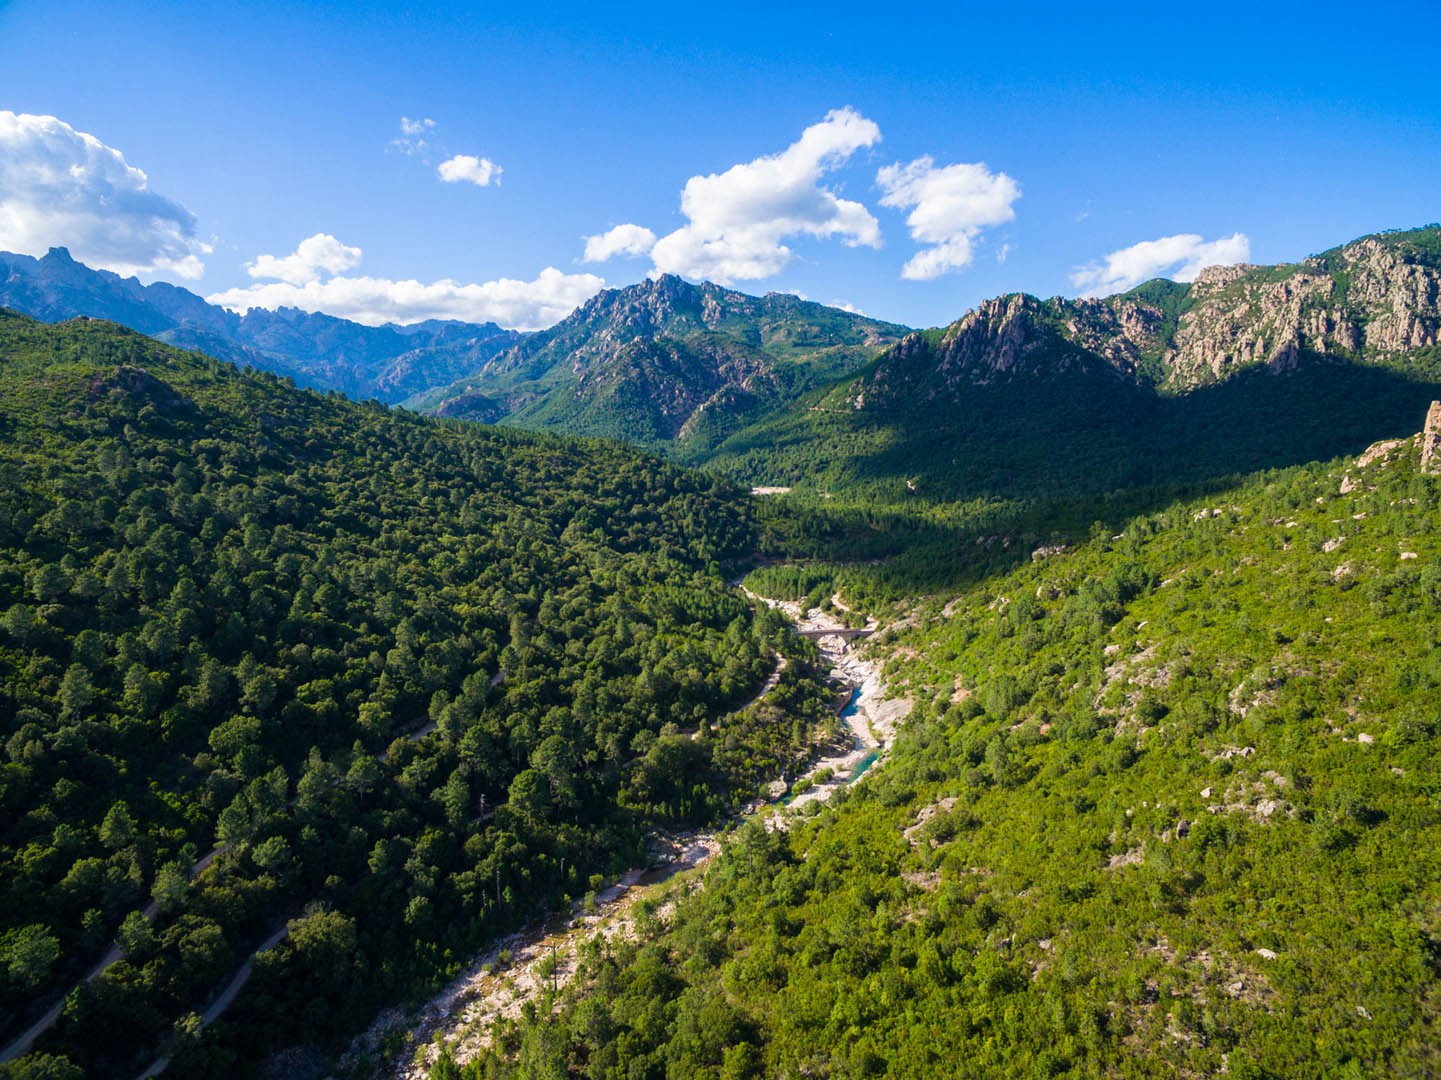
column 407, row 681
column 1167, row 806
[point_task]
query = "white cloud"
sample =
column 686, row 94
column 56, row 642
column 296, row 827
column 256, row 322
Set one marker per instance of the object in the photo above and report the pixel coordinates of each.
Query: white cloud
column 63, row 188
column 522, row 305
column 321, row 252
column 476, row 170
column 1179, row 257
column 739, row 219
column 628, row 240
column 416, row 138
column 950, row 206
column 413, row 134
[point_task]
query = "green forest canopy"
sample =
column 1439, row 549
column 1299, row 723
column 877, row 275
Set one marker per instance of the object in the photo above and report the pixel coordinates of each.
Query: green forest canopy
column 417, row 679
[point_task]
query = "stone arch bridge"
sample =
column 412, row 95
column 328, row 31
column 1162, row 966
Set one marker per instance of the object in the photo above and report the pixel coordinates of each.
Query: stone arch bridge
column 845, row 633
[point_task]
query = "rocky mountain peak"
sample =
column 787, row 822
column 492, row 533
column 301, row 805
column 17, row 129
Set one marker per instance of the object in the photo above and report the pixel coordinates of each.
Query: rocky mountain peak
column 995, row 337
column 1000, row 337
column 667, row 358
column 1221, row 276
column 1375, row 299
column 647, row 308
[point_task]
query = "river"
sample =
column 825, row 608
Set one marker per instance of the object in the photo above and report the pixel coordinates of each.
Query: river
column 543, row 957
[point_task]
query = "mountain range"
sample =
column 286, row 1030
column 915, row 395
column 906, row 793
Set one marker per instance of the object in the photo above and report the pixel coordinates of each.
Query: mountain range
column 1247, row 367
column 776, row 389
column 319, row 351
column 661, row 363
column 1018, row 397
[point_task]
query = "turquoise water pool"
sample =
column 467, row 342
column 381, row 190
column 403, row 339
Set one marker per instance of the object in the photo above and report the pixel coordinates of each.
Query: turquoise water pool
column 851, row 709
column 864, row 764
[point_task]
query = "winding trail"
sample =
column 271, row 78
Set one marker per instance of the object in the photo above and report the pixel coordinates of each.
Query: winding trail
column 226, row 998
column 22, row 1044
column 772, row 681
column 544, row 957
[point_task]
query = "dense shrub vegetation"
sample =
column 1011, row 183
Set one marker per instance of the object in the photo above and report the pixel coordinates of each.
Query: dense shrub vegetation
column 1167, row 805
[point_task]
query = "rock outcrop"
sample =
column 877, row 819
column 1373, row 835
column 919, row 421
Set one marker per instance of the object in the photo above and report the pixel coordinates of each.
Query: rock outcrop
column 1010, row 336
column 1377, row 299
column 1431, row 440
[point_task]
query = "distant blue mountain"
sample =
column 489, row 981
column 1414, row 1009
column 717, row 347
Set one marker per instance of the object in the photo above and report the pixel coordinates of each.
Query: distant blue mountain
column 320, row 351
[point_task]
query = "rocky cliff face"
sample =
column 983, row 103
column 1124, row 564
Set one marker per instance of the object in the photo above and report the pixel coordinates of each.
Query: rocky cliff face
column 1011, row 336
column 1377, row 299
column 1431, row 440
column 1373, row 299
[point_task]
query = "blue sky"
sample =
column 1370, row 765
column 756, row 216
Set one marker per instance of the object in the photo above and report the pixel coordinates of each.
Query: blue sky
column 973, row 149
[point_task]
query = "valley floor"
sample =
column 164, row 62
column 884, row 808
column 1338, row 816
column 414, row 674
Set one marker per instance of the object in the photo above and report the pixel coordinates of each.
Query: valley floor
column 524, row 967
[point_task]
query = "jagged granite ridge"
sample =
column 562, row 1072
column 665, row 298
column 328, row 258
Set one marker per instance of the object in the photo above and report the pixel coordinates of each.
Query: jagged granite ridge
column 1376, row 299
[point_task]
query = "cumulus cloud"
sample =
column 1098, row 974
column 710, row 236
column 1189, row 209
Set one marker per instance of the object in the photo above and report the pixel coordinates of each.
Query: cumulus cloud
column 314, row 255
column 62, row 187
column 738, row 220
column 413, row 135
column 1180, row 257
column 949, row 205
column 475, row 170
column 417, row 138
column 628, row 240
column 521, row 305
